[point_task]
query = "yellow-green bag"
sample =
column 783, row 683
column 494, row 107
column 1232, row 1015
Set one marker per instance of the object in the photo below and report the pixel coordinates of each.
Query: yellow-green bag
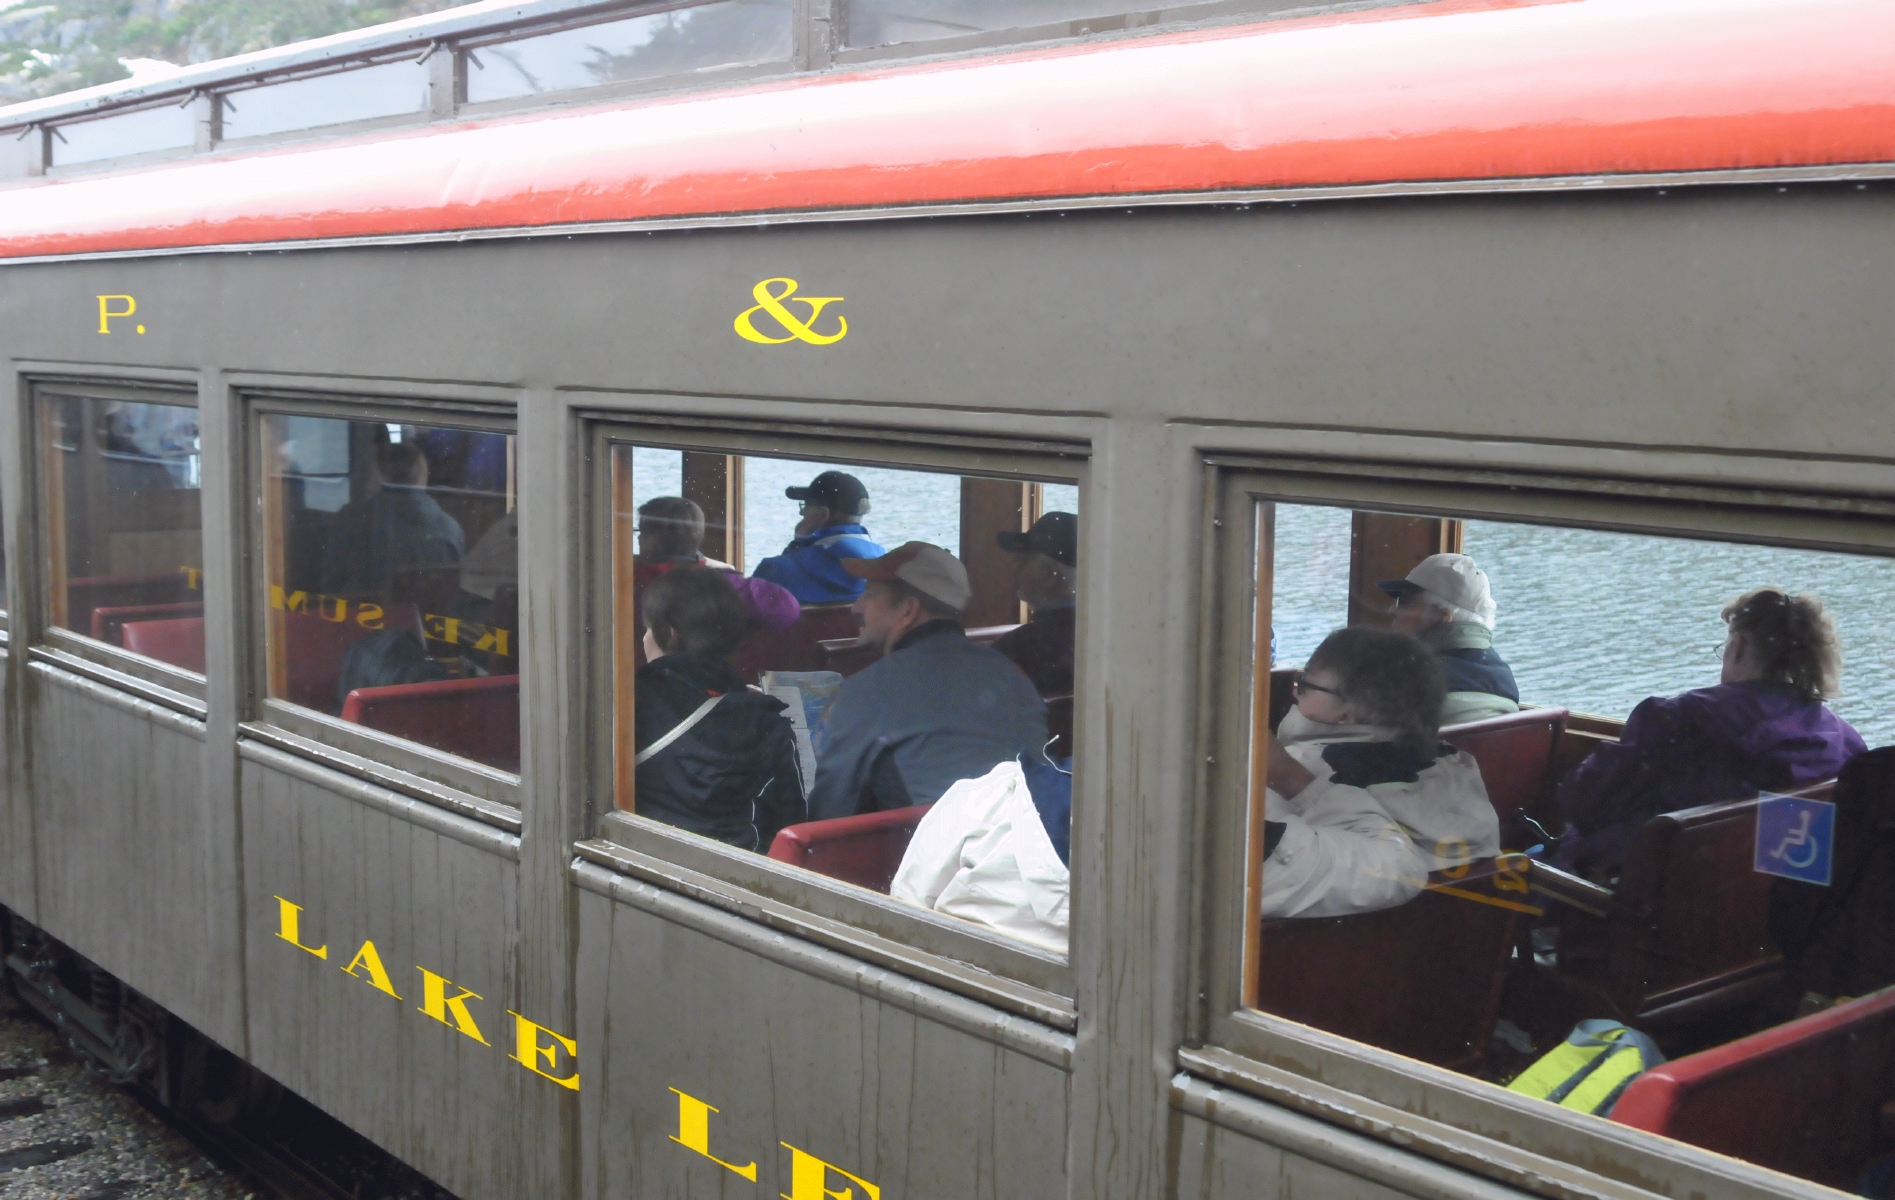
column 1591, row 1068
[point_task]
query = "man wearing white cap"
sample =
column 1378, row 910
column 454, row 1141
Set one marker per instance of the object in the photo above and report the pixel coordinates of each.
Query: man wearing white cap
column 1447, row 603
column 935, row 709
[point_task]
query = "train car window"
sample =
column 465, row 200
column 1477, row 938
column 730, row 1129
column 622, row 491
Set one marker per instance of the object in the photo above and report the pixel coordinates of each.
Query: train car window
column 124, row 543
column 391, row 580
column 863, row 671
column 675, row 42
column 166, row 127
column 384, row 90
column 1535, row 793
column 889, row 22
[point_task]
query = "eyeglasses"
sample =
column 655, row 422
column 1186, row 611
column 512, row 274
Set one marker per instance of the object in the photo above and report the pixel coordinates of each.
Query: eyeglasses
column 1301, row 685
column 1717, row 651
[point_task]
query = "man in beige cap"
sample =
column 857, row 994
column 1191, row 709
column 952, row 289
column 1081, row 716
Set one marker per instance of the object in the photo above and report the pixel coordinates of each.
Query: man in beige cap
column 935, row 709
column 1447, row 604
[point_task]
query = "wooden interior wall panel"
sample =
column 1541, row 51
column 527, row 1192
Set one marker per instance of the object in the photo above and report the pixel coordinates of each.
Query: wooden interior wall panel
column 1388, row 546
column 716, row 483
column 988, row 507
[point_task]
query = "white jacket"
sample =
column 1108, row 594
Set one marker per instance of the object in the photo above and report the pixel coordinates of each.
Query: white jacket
column 983, row 855
column 1349, row 849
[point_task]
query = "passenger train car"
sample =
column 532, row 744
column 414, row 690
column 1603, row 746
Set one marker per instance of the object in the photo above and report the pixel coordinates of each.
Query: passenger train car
column 374, row 347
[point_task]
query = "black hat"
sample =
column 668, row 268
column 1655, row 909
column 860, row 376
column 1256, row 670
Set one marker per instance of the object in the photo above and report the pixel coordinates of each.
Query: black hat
column 836, row 491
column 1056, row 535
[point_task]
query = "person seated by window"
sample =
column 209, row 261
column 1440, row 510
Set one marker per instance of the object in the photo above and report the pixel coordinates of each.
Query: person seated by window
column 714, row 757
column 1364, row 799
column 671, row 534
column 935, row 708
column 398, row 524
column 1762, row 727
column 1045, row 561
column 829, row 533
column 1447, row 603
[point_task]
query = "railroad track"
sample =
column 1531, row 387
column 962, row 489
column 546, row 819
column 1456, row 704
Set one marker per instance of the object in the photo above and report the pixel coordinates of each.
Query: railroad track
column 70, row 1131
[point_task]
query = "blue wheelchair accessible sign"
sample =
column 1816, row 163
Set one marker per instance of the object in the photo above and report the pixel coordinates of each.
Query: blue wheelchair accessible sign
column 1796, row 838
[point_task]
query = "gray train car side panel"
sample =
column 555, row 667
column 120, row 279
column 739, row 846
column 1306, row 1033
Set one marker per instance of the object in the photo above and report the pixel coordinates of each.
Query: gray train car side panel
column 123, row 869
column 1751, row 323
column 792, row 1056
column 420, row 1086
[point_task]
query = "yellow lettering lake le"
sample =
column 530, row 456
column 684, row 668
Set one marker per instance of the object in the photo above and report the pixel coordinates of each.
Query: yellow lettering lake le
column 796, row 329
column 694, row 1133
column 536, row 1047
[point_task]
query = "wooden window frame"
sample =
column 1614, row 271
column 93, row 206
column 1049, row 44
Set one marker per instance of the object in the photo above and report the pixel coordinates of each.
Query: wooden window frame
column 1455, row 1118
column 953, row 954
column 462, row 785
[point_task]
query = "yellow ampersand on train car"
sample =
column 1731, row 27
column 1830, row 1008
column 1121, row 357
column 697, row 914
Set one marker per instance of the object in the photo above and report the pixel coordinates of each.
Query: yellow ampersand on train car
column 799, row 330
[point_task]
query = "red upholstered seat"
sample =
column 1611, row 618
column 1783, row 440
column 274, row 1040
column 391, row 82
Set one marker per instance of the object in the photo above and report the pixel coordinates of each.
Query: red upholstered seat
column 863, row 850
column 1515, row 753
column 1423, row 979
column 471, row 718
column 315, row 646
column 796, row 648
column 179, row 641
column 116, row 591
column 1805, row 1097
column 108, row 623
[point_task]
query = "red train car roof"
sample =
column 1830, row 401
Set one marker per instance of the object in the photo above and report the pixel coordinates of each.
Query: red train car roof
column 1458, row 90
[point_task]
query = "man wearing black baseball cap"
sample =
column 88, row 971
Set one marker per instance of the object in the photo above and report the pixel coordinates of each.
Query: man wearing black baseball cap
column 1045, row 561
column 830, row 530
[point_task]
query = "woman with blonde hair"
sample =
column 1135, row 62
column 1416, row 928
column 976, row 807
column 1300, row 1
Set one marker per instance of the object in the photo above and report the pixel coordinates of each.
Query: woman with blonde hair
column 1764, row 727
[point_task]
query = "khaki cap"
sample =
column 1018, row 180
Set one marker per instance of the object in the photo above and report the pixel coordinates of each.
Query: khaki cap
column 929, row 570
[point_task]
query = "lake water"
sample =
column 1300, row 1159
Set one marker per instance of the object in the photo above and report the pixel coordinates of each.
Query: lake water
column 1597, row 622
column 1588, row 620
column 905, row 506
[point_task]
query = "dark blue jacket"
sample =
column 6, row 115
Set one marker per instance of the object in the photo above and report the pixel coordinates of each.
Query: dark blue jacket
column 811, row 565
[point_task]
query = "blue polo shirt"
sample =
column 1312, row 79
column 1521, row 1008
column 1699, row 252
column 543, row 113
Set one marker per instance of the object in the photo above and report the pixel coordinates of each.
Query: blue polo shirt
column 811, row 565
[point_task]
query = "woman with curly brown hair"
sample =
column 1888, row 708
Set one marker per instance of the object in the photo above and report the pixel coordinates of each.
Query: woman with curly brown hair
column 1763, row 727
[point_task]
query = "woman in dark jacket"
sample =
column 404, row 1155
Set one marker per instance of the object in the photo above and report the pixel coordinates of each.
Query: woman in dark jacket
column 1763, row 727
column 714, row 757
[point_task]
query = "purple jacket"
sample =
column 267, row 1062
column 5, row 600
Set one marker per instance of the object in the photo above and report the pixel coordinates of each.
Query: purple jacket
column 1718, row 743
column 771, row 606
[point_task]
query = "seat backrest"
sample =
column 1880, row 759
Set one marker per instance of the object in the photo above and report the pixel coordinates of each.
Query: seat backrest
column 178, row 641
column 1803, row 1098
column 1689, row 926
column 846, row 656
column 472, row 718
column 1363, row 976
column 1059, row 724
column 108, row 623
column 1515, row 753
column 865, row 850
column 795, row 648
column 1839, row 938
column 315, row 646
column 987, row 635
column 113, row 591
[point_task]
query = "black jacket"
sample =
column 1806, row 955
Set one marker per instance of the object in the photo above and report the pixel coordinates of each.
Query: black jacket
column 733, row 776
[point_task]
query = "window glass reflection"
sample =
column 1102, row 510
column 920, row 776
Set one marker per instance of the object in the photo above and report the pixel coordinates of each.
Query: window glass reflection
column 723, row 34
column 127, row 550
column 166, row 127
column 386, row 90
column 888, row 22
column 1594, row 794
column 913, row 635
column 392, row 571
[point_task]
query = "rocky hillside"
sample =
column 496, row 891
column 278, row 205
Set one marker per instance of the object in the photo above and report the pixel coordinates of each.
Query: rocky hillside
column 50, row 48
